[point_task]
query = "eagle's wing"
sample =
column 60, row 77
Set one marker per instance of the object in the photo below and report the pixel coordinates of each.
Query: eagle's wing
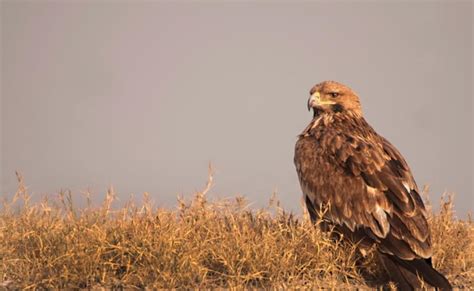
column 409, row 234
column 370, row 191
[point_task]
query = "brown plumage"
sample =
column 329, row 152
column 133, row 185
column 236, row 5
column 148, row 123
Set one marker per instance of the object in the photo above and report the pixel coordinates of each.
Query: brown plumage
column 358, row 183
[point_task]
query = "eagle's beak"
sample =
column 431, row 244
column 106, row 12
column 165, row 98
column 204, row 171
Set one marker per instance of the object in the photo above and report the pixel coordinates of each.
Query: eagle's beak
column 310, row 103
column 315, row 101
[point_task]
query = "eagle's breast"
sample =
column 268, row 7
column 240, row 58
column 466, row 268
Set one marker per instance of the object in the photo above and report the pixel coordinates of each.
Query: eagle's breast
column 318, row 153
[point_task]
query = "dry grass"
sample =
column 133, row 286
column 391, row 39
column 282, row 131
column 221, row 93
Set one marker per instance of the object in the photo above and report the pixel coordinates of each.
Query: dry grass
column 200, row 244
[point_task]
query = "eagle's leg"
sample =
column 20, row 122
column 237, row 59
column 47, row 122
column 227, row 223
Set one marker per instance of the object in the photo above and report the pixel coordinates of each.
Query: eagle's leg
column 311, row 209
column 317, row 217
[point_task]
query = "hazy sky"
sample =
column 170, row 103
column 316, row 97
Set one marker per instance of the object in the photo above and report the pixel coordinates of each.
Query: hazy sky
column 143, row 96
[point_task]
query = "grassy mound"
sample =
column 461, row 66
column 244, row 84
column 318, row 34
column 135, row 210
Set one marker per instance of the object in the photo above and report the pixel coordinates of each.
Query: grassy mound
column 201, row 243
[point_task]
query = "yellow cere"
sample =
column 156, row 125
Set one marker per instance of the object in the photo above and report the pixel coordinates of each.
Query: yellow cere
column 317, row 96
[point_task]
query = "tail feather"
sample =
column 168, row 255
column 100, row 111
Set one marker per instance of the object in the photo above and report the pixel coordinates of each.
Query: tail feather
column 406, row 274
column 396, row 274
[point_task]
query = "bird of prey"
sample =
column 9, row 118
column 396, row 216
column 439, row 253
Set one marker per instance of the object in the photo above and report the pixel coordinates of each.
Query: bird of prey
column 357, row 183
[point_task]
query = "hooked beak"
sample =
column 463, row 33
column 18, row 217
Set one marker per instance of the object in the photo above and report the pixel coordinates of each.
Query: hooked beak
column 315, row 101
column 312, row 100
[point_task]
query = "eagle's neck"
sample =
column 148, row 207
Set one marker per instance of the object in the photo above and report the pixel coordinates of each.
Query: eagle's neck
column 323, row 119
column 317, row 112
column 329, row 118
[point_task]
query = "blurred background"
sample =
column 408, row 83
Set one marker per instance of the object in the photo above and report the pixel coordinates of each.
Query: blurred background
column 144, row 95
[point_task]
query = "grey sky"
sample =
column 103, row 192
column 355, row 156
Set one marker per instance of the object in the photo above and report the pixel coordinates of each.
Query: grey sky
column 144, row 95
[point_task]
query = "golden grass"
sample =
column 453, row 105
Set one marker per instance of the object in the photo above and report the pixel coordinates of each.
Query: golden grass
column 201, row 243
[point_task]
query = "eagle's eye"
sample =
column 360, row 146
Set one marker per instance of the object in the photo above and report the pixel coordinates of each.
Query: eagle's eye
column 334, row 94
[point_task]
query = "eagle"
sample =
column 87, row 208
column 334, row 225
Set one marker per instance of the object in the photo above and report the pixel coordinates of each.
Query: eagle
column 358, row 185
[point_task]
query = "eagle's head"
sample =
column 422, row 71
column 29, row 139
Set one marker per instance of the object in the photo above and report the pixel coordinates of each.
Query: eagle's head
column 333, row 97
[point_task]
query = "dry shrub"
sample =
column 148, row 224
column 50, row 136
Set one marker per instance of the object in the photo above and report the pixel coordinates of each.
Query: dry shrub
column 200, row 244
column 453, row 244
